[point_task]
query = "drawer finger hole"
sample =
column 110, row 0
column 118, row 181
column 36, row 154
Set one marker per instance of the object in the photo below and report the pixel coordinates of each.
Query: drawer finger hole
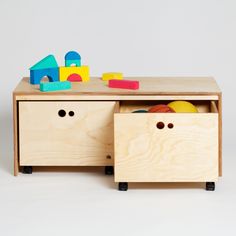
column 170, row 126
column 71, row 113
column 160, row 125
column 61, row 113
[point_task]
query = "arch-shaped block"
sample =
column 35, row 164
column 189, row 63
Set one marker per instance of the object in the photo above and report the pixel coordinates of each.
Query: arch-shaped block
column 37, row 75
column 69, row 63
column 72, row 58
column 82, row 71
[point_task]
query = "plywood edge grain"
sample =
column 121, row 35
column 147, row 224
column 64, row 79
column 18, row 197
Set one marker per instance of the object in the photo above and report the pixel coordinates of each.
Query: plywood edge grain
column 15, row 136
column 220, row 133
column 28, row 97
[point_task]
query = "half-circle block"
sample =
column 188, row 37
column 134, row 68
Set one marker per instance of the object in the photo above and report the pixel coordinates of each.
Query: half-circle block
column 82, row 71
column 37, row 75
column 47, row 62
column 74, row 78
column 72, row 58
column 72, row 55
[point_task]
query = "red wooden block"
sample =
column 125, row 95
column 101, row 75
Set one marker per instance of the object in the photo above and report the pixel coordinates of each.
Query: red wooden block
column 74, row 78
column 123, row 84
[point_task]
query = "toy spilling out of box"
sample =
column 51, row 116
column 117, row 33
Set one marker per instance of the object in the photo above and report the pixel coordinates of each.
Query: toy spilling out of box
column 172, row 107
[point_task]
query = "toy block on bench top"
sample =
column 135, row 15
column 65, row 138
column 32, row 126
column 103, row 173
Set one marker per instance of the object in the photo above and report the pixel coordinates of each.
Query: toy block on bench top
column 72, row 58
column 112, row 75
column 74, row 78
column 55, row 86
column 74, row 73
column 37, row 75
column 123, row 84
column 46, row 67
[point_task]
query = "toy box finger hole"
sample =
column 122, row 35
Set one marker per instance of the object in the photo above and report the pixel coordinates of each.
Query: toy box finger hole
column 160, row 125
column 71, row 113
column 170, row 126
column 61, row 113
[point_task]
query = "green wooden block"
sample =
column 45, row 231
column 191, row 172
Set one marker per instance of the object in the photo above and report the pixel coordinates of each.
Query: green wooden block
column 55, row 86
column 72, row 62
column 47, row 62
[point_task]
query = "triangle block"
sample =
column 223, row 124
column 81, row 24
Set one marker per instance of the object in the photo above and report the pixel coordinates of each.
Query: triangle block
column 45, row 63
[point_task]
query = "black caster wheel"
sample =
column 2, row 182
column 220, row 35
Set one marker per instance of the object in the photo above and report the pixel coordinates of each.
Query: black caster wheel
column 27, row 170
column 210, row 186
column 109, row 170
column 123, row 186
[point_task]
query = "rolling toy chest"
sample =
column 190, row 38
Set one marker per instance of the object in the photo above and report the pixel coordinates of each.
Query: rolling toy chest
column 94, row 125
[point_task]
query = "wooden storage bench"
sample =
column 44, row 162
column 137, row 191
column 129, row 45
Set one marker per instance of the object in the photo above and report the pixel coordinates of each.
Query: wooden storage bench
column 93, row 125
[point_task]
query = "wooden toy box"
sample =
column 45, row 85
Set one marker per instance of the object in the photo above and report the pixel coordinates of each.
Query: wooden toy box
column 93, row 125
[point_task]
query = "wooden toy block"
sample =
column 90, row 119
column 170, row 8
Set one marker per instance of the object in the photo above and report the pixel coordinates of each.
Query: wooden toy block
column 72, row 58
column 67, row 72
column 47, row 62
column 46, row 67
column 37, row 75
column 69, row 63
column 112, row 75
column 74, row 78
column 55, row 86
column 123, row 84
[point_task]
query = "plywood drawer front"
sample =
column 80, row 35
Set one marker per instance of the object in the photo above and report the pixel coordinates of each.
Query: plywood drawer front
column 187, row 152
column 86, row 138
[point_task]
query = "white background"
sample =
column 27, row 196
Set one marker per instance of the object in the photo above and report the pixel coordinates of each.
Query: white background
column 150, row 38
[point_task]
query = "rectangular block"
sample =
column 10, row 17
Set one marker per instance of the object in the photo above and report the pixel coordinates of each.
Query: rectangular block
column 123, row 84
column 55, row 86
column 112, row 75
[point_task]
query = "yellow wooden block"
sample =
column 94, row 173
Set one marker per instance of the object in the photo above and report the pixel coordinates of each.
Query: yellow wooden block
column 82, row 71
column 112, row 75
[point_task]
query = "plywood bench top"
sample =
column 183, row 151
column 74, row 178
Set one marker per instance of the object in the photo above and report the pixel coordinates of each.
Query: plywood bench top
column 148, row 86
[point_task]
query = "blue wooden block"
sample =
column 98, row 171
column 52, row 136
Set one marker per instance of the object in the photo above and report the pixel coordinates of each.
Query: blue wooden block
column 72, row 58
column 55, row 86
column 72, row 55
column 37, row 75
